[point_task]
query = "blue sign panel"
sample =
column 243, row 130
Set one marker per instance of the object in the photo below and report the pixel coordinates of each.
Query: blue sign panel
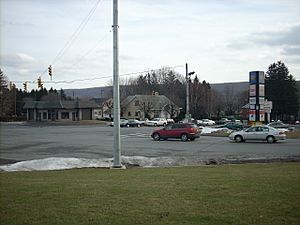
column 253, row 78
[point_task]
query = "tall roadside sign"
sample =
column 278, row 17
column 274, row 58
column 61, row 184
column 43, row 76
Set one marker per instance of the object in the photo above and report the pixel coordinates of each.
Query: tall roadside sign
column 256, row 97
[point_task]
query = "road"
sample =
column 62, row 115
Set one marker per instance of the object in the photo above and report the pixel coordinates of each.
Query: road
column 33, row 141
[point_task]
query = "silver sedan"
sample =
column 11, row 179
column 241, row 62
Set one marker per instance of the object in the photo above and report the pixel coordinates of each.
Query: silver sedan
column 264, row 133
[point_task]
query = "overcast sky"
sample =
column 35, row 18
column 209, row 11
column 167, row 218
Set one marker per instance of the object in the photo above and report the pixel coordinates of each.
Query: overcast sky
column 220, row 40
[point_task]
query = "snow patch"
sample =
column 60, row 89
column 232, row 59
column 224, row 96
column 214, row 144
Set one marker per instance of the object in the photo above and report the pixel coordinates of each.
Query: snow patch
column 71, row 163
column 54, row 163
column 208, row 130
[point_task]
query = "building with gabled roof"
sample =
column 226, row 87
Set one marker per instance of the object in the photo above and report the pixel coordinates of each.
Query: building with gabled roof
column 148, row 106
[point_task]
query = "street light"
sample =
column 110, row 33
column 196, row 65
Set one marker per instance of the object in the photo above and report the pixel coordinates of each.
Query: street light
column 188, row 75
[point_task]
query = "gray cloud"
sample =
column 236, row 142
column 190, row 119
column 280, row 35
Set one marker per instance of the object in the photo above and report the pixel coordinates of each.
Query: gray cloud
column 287, row 40
column 18, row 60
column 289, row 37
column 16, row 24
column 291, row 50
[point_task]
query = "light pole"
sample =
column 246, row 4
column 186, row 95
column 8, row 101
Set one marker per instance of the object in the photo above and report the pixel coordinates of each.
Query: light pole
column 116, row 90
column 188, row 75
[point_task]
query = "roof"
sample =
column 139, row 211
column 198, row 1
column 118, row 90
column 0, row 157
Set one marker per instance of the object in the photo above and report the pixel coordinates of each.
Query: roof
column 158, row 101
column 60, row 104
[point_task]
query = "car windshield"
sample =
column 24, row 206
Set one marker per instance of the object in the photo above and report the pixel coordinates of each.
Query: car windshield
column 272, row 128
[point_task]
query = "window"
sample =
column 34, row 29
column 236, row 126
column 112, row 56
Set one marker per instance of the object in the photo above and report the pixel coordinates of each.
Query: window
column 175, row 126
column 252, row 129
column 129, row 113
column 65, row 115
column 136, row 103
column 44, row 115
column 136, row 113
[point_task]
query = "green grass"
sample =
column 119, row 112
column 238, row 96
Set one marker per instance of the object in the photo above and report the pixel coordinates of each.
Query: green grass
column 226, row 194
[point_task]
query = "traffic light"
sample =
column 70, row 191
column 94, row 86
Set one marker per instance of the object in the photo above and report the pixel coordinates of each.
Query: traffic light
column 50, row 71
column 25, row 86
column 39, row 81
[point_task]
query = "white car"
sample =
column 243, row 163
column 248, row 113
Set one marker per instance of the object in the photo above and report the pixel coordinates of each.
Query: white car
column 156, row 122
column 123, row 123
column 206, row 122
column 263, row 133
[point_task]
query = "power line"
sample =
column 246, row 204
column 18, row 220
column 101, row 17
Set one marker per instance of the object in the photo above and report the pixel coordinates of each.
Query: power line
column 96, row 78
column 91, row 49
column 76, row 33
column 105, row 77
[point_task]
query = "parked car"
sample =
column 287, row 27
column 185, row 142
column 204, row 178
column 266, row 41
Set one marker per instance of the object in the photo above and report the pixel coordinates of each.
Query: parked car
column 263, row 132
column 191, row 120
column 123, row 123
column 184, row 131
column 170, row 121
column 156, row 122
column 223, row 121
column 205, row 122
column 134, row 123
column 232, row 126
column 280, row 124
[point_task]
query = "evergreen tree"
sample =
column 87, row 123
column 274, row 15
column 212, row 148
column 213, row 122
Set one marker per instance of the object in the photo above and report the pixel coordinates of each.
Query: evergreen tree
column 6, row 96
column 282, row 91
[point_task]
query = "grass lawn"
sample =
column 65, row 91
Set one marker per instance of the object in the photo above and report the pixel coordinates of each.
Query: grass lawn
column 226, row 194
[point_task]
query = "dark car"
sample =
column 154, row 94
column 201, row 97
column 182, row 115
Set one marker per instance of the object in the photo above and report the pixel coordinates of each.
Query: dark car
column 184, row 131
column 232, row 126
column 134, row 123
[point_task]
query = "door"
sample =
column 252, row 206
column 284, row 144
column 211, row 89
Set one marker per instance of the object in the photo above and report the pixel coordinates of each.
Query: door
column 250, row 134
column 86, row 114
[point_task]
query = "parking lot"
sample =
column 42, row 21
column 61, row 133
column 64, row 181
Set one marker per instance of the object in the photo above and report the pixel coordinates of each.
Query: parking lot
column 38, row 141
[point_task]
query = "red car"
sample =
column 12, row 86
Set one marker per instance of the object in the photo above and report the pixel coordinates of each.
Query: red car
column 184, row 131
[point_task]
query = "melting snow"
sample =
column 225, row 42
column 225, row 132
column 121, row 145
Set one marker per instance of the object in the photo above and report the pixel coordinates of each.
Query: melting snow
column 208, row 130
column 70, row 163
column 56, row 164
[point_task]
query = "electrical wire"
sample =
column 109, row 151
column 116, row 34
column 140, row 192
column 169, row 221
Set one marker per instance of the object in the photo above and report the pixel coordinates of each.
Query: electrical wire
column 74, row 36
column 76, row 33
column 97, row 78
column 78, row 61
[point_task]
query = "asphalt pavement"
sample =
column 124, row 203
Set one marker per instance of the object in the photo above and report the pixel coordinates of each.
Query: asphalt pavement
column 25, row 141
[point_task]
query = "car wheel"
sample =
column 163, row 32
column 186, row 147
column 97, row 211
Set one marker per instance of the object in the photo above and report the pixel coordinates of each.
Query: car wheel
column 156, row 137
column 127, row 125
column 155, row 124
column 138, row 125
column 184, row 137
column 270, row 139
column 238, row 138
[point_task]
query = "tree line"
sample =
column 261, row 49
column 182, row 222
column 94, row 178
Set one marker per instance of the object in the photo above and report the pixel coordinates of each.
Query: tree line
column 280, row 88
column 13, row 99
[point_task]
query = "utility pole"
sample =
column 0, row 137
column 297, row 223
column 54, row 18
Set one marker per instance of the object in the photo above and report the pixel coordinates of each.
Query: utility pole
column 187, row 76
column 116, row 89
